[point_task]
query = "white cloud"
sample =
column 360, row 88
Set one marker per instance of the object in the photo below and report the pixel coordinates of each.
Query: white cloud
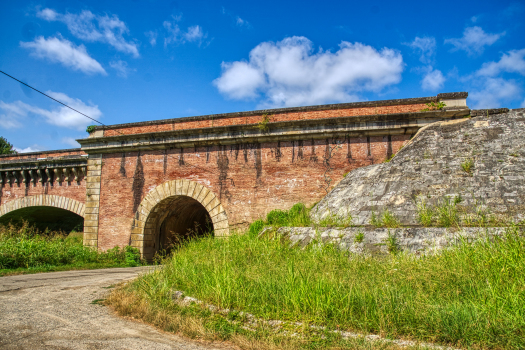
column 70, row 142
column 426, row 47
column 236, row 19
column 59, row 116
column 65, row 52
column 90, row 27
column 474, row 40
column 194, row 33
column 152, row 37
column 175, row 35
column 27, row 149
column 433, row 79
column 121, row 67
column 494, row 93
column 290, row 73
column 511, row 62
column 12, row 115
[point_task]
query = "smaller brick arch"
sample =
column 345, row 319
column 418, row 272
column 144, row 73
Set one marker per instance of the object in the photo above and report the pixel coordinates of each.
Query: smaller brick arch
column 44, row 200
column 143, row 231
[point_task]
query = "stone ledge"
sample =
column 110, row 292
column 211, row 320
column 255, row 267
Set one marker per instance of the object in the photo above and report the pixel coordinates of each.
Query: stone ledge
column 484, row 112
column 369, row 125
column 418, row 240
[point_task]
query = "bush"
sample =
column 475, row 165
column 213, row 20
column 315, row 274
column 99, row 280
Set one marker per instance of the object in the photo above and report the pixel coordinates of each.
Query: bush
column 297, row 216
column 26, row 247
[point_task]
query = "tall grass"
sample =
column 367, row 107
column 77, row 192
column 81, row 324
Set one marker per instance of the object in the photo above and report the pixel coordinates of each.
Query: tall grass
column 472, row 295
column 297, row 216
column 25, row 247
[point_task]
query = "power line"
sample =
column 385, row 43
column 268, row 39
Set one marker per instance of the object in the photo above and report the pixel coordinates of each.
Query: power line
column 87, row 116
column 54, row 99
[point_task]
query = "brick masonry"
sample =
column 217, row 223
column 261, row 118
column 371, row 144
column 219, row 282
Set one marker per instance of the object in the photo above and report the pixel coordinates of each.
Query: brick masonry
column 135, row 170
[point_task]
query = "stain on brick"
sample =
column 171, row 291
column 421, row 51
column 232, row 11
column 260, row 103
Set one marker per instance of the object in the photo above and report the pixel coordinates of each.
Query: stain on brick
column 122, row 169
column 278, row 151
column 138, row 183
column 223, row 163
column 313, row 156
column 389, row 147
column 181, row 157
column 165, row 161
column 300, row 150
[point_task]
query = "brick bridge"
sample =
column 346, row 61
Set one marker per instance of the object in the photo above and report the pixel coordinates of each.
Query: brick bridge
column 145, row 184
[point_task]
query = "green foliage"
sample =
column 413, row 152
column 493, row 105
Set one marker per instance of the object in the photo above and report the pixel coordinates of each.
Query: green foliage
column 384, row 219
column 90, row 128
column 297, row 216
column 28, row 248
column 359, row 237
column 392, row 243
column 468, row 296
column 467, row 165
column 333, row 220
column 434, row 106
column 425, row 213
column 6, row 147
column 263, row 124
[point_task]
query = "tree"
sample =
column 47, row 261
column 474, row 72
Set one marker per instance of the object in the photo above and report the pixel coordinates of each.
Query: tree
column 6, row 147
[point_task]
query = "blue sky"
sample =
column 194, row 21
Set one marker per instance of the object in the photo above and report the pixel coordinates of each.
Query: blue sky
column 128, row 61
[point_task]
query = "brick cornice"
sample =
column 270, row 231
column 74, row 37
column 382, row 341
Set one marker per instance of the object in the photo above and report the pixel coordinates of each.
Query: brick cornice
column 379, row 124
column 364, row 104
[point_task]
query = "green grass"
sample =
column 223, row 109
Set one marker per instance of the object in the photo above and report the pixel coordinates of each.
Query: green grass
column 297, row 216
column 448, row 213
column 25, row 249
column 472, row 295
column 384, row 219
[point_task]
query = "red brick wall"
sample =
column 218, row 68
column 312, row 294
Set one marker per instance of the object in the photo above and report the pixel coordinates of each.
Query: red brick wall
column 250, row 179
column 331, row 113
column 12, row 191
column 52, row 154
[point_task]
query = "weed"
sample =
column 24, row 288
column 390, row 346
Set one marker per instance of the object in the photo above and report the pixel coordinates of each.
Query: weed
column 385, row 219
column 390, row 220
column 297, row 216
column 392, row 243
column 98, row 302
column 425, row 213
column 434, row 106
column 467, row 165
column 263, row 124
column 375, row 220
column 90, row 129
column 359, row 237
column 447, row 213
column 332, row 220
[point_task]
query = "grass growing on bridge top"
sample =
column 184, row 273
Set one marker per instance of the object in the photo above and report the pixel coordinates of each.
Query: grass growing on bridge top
column 472, row 295
column 25, row 249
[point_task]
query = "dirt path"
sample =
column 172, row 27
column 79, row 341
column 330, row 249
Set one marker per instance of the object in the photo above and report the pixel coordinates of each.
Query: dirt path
column 55, row 311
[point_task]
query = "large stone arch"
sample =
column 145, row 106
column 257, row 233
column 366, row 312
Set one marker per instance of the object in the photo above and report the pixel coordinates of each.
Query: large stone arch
column 44, row 200
column 143, row 229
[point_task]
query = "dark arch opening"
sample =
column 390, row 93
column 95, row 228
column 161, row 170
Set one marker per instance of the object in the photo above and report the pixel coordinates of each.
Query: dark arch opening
column 178, row 220
column 50, row 218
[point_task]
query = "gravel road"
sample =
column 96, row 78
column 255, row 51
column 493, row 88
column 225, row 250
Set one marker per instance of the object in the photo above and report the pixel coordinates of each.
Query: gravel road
column 55, row 311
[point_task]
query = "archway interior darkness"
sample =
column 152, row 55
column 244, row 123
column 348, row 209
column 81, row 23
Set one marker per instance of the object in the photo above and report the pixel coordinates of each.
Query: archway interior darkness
column 180, row 219
column 51, row 218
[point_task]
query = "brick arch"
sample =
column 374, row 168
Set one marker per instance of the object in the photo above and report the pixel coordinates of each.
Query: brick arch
column 143, row 231
column 44, row 200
